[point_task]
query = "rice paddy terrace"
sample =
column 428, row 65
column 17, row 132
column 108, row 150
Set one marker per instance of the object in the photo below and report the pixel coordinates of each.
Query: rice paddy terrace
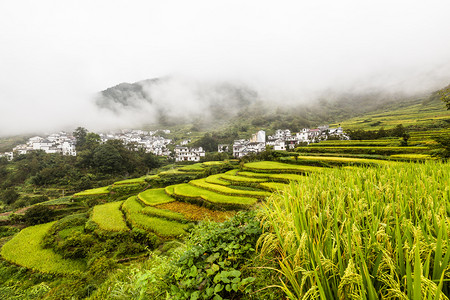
column 164, row 212
column 420, row 146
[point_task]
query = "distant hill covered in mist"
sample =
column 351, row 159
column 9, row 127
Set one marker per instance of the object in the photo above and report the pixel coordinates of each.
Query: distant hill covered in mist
column 173, row 101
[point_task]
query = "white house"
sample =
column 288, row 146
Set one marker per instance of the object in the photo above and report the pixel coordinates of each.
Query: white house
column 279, row 145
column 188, row 154
column 259, row 137
column 222, row 148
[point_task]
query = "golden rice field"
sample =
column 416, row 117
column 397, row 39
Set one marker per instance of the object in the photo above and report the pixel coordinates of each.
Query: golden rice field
column 378, row 232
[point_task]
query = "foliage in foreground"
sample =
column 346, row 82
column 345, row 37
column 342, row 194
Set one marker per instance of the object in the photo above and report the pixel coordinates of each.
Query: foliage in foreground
column 211, row 267
column 365, row 233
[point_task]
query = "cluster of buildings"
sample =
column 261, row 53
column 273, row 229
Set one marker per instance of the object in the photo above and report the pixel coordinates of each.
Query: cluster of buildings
column 62, row 142
column 148, row 140
column 283, row 140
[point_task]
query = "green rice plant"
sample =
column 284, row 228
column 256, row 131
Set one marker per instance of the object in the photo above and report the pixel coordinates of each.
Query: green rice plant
column 254, row 175
column 126, row 189
column 140, row 180
column 201, row 183
column 216, row 179
column 241, row 179
column 132, row 205
column 363, row 233
column 25, row 250
column 214, row 163
column 164, row 213
column 364, row 150
column 277, row 167
column 109, row 217
column 59, row 201
column 155, row 196
column 365, row 143
column 283, row 178
column 163, row 228
column 274, row 186
column 342, row 160
column 169, row 190
column 286, row 178
column 171, row 172
column 198, row 167
column 197, row 213
column 232, row 172
column 94, row 192
column 198, row 195
column 412, row 157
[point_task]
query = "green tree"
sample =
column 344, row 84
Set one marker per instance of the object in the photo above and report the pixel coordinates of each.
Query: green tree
column 108, row 159
column 38, row 214
column 442, row 148
column 80, row 134
column 9, row 196
column 445, row 96
column 399, row 131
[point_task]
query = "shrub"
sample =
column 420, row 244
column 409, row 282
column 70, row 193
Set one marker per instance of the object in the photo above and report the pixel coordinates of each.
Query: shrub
column 38, row 214
column 211, row 267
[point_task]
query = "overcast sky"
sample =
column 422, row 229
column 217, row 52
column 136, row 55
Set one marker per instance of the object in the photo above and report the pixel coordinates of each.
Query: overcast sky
column 54, row 55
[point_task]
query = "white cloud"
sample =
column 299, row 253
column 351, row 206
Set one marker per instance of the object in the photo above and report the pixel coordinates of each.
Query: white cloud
column 55, row 54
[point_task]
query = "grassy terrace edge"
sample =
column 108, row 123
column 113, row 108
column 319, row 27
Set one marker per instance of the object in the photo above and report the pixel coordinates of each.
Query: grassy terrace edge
column 25, row 250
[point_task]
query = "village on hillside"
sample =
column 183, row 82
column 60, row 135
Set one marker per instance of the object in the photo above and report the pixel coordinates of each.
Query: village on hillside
column 283, row 139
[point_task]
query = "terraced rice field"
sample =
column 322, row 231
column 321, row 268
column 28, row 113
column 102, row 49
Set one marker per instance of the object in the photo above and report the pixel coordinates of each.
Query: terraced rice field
column 98, row 191
column 109, row 217
column 140, row 180
column 162, row 227
column 155, row 197
column 272, row 166
column 25, row 250
column 198, row 195
column 197, row 213
column 342, row 160
column 201, row 183
column 382, row 150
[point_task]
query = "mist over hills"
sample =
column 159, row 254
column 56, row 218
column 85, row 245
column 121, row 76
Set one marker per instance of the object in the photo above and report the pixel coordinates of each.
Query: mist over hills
column 173, row 101
column 170, row 100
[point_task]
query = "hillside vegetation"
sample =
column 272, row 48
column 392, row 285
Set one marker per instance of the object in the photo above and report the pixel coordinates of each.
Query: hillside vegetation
column 340, row 219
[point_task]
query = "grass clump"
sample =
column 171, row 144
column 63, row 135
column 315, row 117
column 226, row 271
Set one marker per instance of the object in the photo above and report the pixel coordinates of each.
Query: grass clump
column 363, row 233
column 25, row 250
column 109, row 217
column 155, row 196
